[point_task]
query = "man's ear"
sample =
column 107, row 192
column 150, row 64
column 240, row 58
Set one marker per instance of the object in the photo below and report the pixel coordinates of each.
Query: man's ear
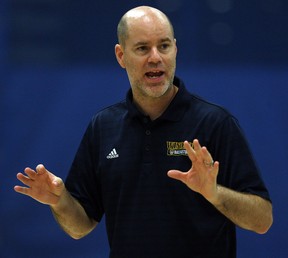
column 119, row 55
column 175, row 45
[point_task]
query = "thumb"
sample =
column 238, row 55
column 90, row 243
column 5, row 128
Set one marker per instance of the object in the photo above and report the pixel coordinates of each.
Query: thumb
column 176, row 174
column 57, row 182
column 59, row 185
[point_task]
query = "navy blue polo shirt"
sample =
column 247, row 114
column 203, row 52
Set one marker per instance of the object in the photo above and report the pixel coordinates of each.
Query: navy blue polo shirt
column 120, row 170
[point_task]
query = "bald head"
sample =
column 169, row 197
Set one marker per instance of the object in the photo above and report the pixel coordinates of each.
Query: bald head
column 140, row 13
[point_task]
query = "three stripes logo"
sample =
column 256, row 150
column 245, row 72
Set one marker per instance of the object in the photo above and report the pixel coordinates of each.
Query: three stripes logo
column 113, row 154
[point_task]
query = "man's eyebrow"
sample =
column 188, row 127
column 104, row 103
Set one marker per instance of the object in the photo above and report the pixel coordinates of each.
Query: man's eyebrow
column 141, row 43
column 166, row 39
column 144, row 43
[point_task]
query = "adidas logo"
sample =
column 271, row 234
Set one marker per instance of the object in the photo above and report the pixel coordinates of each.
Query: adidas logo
column 112, row 155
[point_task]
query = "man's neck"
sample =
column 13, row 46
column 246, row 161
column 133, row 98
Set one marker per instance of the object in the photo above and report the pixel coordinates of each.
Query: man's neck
column 155, row 107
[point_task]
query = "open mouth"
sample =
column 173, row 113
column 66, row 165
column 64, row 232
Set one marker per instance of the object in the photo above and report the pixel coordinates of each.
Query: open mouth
column 154, row 75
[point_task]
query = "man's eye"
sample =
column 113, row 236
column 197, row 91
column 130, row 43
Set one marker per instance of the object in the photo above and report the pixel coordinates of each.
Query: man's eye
column 142, row 49
column 164, row 46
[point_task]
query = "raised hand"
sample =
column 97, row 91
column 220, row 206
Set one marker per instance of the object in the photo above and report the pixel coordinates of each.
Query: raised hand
column 41, row 185
column 202, row 177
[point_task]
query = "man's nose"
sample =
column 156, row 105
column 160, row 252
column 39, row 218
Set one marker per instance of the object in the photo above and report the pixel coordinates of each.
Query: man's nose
column 155, row 56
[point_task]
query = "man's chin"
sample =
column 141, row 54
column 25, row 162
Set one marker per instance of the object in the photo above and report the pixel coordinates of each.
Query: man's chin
column 157, row 91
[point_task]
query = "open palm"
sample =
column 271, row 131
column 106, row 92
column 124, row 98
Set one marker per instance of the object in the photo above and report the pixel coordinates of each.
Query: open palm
column 202, row 176
column 41, row 185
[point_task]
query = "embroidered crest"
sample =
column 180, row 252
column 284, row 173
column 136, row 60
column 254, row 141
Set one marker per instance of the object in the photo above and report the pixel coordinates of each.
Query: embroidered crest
column 176, row 148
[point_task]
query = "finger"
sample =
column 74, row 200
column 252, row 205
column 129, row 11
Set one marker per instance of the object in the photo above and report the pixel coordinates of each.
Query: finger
column 176, row 174
column 49, row 198
column 24, row 179
column 41, row 169
column 190, row 151
column 21, row 189
column 215, row 169
column 195, row 153
column 201, row 152
column 196, row 145
column 207, row 158
column 206, row 154
column 30, row 173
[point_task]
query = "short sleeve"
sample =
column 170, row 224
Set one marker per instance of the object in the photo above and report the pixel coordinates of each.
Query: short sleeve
column 238, row 169
column 82, row 181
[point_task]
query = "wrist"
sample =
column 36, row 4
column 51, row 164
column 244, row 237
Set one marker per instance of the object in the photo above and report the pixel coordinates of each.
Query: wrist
column 215, row 198
column 61, row 202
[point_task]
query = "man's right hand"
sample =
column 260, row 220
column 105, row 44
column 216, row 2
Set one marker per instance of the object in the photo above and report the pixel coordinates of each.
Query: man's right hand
column 40, row 185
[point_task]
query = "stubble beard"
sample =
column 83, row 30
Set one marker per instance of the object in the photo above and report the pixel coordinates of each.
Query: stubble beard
column 155, row 91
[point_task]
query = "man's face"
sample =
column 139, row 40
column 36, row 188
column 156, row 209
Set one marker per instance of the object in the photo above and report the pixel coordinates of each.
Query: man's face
column 149, row 56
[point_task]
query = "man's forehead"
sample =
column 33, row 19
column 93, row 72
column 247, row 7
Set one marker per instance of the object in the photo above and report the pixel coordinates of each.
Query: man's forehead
column 147, row 24
column 142, row 36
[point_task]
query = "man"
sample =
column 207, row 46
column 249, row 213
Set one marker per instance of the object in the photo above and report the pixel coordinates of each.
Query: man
column 121, row 166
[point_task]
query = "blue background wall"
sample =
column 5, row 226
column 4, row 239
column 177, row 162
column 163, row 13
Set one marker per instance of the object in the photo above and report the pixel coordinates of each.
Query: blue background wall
column 57, row 68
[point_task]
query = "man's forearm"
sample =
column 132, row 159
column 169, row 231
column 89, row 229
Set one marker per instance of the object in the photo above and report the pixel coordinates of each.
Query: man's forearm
column 245, row 210
column 72, row 217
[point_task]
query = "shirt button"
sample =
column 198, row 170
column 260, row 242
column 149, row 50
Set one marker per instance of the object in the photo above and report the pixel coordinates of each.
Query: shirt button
column 148, row 132
column 145, row 120
column 147, row 148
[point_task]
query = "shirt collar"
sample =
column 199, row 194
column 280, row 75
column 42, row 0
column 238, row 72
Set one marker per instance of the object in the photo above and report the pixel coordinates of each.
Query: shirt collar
column 174, row 111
